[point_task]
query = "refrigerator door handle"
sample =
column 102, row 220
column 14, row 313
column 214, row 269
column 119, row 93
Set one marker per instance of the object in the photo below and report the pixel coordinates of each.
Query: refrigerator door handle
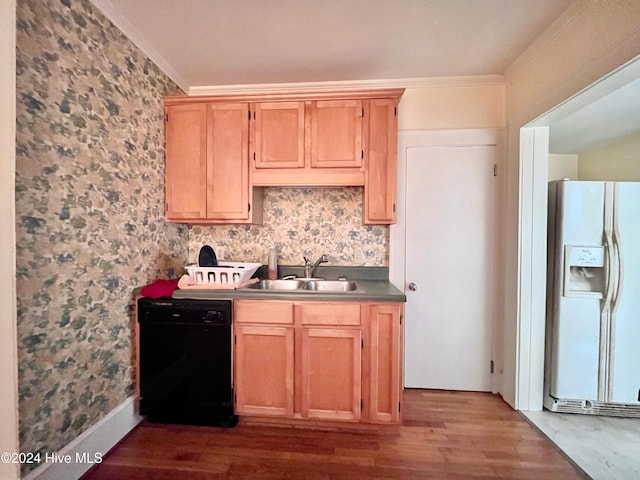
column 605, row 320
column 608, row 223
column 615, row 288
column 611, row 271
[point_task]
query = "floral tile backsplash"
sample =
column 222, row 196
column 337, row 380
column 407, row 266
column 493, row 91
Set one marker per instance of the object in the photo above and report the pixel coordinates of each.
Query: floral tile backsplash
column 89, row 213
column 300, row 221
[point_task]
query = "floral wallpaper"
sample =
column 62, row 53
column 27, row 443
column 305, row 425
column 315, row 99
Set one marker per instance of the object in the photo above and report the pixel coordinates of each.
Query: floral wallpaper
column 89, row 212
column 300, row 221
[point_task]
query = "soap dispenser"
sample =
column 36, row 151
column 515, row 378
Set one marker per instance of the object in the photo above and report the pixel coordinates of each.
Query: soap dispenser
column 273, row 263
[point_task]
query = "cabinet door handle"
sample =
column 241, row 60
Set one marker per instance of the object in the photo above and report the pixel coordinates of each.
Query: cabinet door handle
column 413, row 287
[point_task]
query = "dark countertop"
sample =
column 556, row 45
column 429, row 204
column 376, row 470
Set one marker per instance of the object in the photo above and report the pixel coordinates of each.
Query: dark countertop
column 372, row 286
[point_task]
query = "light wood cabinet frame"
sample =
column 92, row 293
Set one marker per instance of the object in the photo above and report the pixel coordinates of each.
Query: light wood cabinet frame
column 385, row 362
column 207, row 171
column 347, row 359
column 295, row 144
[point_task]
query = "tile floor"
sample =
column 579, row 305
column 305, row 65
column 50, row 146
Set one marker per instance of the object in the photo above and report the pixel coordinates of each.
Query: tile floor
column 606, row 448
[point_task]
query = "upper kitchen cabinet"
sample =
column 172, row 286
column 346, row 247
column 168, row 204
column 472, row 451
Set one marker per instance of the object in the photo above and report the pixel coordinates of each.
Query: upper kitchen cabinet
column 186, row 164
column 307, row 143
column 220, row 147
column 207, row 172
column 336, row 133
column 277, row 135
column 381, row 169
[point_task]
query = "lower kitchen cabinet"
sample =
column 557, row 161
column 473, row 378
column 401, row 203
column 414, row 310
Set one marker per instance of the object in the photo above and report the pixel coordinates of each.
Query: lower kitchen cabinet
column 263, row 357
column 331, row 366
column 264, row 370
column 385, row 362
column 318, row 360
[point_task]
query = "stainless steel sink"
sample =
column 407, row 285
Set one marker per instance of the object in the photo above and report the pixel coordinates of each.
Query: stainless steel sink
column 277, row 285
column 329, row 285
column 316, row 285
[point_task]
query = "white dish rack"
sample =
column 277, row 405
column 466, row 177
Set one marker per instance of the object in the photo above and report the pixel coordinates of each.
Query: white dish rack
column 226, row 273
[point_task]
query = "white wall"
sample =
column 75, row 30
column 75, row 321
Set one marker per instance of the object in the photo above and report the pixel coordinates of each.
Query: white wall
column 454, row 104
column 8, row 355
column 590, row 40
column 618, row 160
column 563, row 166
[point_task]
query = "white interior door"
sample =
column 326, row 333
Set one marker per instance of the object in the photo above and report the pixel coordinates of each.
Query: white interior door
column 451, row 233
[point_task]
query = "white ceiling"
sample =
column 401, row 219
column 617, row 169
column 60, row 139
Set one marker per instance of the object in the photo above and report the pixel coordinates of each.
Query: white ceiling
column 238, row 42
column 603, row 112
column 615, row 115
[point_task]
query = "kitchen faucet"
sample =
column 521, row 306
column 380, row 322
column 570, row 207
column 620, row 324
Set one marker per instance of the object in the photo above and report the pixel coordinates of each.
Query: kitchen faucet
column 310, row 267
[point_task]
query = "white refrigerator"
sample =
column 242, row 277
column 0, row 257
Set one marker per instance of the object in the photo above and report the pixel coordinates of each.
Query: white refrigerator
column 593, row 298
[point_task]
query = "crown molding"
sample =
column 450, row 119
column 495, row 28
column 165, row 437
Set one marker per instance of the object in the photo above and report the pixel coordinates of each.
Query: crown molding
column 109, row 11
column 320, row 87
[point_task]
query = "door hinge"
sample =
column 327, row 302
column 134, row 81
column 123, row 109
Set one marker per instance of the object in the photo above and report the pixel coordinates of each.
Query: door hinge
column 234, row 339
column 361, row 404
column 400, row 319
column 362, row 343
column 166, row 117
column 398, row 406
column 249, row 207
column 495, row 169
column 395, row 111
column 249, row 114
column 394, row 208
column 362, row 112
column 491, row 366
column 254, row 156
column 361, row 153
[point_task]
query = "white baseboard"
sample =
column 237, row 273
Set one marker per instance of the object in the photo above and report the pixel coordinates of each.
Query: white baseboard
column 89, row 447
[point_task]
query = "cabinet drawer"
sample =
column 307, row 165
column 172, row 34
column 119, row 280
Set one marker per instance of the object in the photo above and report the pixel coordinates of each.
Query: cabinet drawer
column 263, row 311
column 321, row 313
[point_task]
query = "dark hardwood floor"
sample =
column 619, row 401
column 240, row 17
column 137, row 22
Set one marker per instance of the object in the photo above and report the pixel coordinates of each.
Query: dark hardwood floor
column 445, row 435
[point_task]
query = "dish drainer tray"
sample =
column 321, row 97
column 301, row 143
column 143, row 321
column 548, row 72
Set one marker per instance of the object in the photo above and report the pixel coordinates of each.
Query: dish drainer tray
column 225, row 274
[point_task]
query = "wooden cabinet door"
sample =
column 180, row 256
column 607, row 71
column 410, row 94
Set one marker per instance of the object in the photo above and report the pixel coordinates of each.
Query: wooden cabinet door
column 228, row 161
column 385, row 366
column 331, row 366
column 278, row 134
column 264, row 370
column 381, row 163
column 336, row 133
column 186, row 162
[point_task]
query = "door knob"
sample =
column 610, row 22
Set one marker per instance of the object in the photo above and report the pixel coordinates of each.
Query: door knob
column 413, row 287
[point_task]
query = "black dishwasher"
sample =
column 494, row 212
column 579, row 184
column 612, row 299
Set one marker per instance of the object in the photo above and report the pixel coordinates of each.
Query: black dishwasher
column 185, row 361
